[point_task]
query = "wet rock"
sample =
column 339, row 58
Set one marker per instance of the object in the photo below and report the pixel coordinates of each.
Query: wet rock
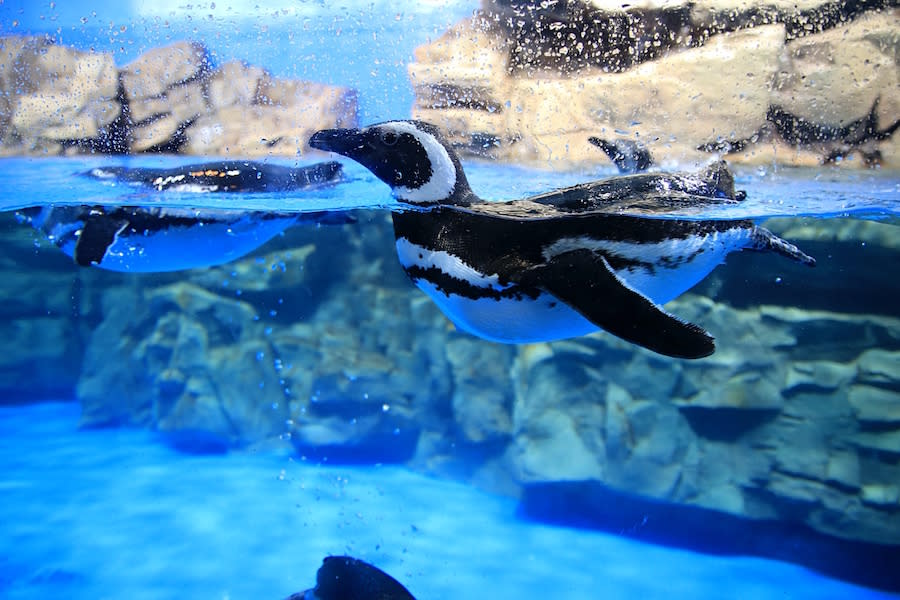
column 655, row 102
column 198, row 363
column 875, row 405
column 880, row 368
column 835, row 76
column 483, row 410
column 53, row 93
column 56, row 99
column 817, row 376
column 496, row 81
column 159, row 69
column 279, row 120
column 235, row 83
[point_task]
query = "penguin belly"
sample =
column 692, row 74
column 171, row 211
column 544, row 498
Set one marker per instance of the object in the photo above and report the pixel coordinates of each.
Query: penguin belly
column 510, row 320
column 179, row 247
column 479, row 304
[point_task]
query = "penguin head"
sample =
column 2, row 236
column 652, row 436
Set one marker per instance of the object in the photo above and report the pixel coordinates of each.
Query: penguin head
column 410, row 156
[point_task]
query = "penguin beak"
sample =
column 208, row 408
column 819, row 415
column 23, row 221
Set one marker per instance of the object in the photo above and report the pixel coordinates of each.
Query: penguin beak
column 346, row 142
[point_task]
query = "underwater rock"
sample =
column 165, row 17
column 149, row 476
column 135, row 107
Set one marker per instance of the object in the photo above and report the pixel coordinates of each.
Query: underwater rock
column 875, row 406
column 817, row 376
column 792, row 421
column 482, row 410
column 198, row 362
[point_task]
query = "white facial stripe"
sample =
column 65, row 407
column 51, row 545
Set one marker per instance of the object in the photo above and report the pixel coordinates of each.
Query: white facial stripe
column 443, row 173
column 413, row 255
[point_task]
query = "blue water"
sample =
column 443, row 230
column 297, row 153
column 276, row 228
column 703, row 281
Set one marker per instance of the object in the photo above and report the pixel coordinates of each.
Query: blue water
column 117, row 514
column 120, row 514
column 770, row 193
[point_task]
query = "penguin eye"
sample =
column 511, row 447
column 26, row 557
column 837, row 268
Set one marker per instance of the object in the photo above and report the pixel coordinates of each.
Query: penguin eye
column 388, row 138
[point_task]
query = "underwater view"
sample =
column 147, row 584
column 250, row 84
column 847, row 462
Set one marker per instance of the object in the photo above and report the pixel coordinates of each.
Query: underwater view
column 423, row 300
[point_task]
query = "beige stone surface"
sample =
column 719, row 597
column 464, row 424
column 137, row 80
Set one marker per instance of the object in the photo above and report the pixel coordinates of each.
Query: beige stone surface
column 281, row 125
column 183, row 102
column 236, row 82
column 673, row 104
column 835, row 76
column 158, row 69
column 53, row 92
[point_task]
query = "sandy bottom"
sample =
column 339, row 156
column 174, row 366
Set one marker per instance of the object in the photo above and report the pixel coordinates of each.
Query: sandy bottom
column 117, row 514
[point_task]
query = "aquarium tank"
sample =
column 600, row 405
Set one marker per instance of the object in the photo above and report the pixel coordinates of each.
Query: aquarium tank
column 477, row 299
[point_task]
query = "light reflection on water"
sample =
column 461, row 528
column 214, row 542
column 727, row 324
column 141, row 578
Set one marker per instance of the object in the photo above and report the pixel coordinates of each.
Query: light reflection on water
column 772, row 193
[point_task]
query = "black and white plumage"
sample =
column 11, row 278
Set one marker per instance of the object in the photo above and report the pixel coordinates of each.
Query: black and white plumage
column 556, row 265
column 222, row 176
column 150, row 239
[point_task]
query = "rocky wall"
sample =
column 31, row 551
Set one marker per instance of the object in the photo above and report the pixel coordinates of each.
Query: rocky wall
column 59, row 100
column 334, row 355
column 794, row 83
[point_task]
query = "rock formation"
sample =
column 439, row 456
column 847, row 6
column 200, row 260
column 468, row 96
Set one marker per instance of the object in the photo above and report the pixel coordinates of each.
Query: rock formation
column 55, row 99
column 530, row 82
column 794, row 417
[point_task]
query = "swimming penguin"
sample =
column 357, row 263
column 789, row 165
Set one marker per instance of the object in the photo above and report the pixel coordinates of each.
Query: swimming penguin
column 628, row 155
column 149, row 239
column 561, row 264
column 223, row 176
column 141, row 239
column 346, row 578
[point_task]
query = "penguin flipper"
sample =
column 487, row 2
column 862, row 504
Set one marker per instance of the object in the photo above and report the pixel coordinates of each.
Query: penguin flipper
column 587, row 283
column 97, row 235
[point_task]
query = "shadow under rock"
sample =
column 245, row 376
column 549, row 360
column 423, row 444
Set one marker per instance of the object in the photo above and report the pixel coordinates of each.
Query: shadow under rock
column 591, row 505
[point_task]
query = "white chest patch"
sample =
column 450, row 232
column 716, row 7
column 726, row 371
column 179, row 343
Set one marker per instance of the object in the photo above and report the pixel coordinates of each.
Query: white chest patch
column 413, row 255
column 511, row 320
column 516, row 320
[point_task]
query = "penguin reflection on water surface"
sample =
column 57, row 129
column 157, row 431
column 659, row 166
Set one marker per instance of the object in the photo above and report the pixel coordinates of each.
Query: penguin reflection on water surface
column 556, row 265
column 152, row 239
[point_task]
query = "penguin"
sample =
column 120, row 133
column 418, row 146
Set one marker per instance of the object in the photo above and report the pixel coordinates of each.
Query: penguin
column 596, row 256
column 347, row 578
column 153, row 239
column 628, row 155
column 223, row 176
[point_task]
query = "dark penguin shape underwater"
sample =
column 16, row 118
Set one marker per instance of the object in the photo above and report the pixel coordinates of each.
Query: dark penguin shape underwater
column 148, row 239
column 346, row 578
column 223, row 176
column 561, row 264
